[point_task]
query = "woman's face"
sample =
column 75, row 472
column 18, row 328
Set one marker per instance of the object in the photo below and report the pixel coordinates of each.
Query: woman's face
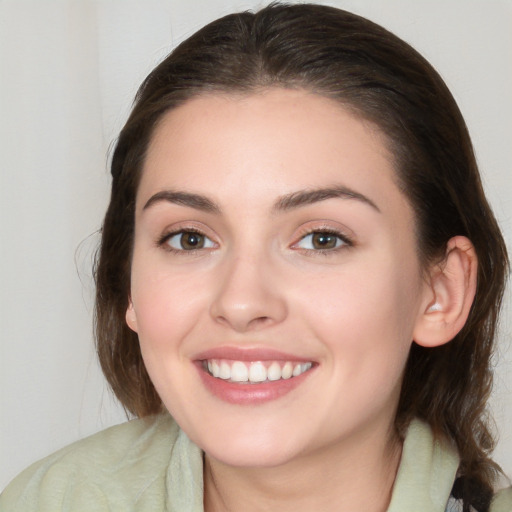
column 275, row 280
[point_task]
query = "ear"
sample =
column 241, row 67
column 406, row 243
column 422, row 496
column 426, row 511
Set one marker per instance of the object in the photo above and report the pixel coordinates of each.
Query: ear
column 452, row 290
column 131, row 316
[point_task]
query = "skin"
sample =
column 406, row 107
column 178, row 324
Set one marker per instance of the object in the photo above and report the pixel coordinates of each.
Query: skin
column 260, row 283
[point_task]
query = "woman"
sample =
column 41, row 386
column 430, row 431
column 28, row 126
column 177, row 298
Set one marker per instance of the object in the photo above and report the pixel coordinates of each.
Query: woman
column 298, row 263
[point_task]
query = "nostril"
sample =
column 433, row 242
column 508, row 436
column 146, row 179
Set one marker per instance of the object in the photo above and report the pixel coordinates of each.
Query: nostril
column 259, row 322
column 243, row 324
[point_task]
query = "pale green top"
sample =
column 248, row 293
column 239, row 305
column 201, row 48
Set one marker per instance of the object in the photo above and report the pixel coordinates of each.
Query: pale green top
column 150, row 465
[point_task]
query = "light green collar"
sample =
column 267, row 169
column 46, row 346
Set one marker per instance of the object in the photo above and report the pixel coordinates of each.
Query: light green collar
column 423, row 483
column 426, row 473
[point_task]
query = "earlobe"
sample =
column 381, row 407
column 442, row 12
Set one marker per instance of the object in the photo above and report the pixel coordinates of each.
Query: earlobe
column 452, row 290
column 131, row 317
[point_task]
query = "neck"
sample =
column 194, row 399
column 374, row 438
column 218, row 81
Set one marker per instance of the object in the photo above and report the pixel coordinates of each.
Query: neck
column 354, row 475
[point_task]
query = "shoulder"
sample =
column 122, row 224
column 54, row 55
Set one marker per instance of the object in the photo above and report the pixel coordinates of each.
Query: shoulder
column 114, row 465
column 428, row 474
column 502, row 502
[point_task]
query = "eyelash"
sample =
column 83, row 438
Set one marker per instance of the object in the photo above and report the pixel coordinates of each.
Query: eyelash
column 347, row 242
column 163, row 241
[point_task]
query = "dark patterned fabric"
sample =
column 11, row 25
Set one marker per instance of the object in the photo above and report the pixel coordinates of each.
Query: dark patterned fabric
column 469, row 496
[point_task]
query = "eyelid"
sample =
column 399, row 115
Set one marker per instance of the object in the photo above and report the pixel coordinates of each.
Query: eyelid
column 185, row 227
column 207, row 243
column 345, row 234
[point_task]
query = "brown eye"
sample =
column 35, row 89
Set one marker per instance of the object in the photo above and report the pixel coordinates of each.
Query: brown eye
column 324, row 240
column 189, row 241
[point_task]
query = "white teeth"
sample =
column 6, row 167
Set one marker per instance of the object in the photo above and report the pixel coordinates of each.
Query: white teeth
column 225, row 371
column 287, row 371
column 255, row 372
column 274, row 371
column 239, row 372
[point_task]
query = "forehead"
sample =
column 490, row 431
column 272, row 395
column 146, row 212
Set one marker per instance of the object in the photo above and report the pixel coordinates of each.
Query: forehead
column 266, row 144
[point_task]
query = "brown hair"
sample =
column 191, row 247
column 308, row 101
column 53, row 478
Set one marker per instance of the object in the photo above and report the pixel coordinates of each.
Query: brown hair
column 369, row 70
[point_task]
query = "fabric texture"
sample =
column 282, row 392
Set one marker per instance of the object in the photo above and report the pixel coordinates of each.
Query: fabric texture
column 150, row 465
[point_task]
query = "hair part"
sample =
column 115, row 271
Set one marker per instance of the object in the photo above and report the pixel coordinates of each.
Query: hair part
column 383, row 80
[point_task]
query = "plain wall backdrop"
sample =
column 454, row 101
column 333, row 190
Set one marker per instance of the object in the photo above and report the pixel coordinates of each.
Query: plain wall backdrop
column 68, row 73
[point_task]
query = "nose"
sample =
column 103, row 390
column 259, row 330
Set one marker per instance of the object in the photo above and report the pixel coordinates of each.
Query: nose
column 249, row 296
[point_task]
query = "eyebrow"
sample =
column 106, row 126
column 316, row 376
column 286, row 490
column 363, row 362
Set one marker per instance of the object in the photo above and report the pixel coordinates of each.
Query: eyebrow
column 306, row 197
column 196, row 201
column 284, row 203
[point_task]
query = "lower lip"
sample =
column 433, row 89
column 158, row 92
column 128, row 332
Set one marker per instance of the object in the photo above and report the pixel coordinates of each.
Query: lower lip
column 247, row 393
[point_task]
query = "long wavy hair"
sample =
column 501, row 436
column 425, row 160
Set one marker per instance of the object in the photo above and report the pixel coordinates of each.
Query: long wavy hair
column 382, row 79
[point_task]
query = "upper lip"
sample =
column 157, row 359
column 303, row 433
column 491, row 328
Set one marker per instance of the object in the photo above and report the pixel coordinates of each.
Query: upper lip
column 248, row 354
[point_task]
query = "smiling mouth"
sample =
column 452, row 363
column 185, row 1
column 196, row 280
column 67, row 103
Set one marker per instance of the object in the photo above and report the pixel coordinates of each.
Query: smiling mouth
column 254, row 372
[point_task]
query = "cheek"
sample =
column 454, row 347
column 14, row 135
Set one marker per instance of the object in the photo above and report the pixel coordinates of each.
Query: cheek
column 365, row 322
column 167, row 305
column 366, row 312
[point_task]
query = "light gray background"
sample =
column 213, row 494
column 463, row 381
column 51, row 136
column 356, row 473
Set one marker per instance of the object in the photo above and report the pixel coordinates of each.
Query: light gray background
column 68, row 73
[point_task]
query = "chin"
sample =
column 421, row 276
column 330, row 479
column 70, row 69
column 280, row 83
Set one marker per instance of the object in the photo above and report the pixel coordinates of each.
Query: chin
column 250, row 451
column 250, row 457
